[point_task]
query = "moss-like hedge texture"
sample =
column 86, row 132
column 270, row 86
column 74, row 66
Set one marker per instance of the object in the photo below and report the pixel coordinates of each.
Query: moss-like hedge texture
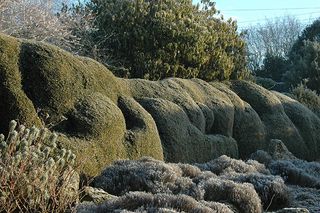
column 103, row 118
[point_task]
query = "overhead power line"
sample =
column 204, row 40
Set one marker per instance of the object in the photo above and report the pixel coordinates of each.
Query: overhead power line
column 303, row 21
column 275, row 17
column 269, row 9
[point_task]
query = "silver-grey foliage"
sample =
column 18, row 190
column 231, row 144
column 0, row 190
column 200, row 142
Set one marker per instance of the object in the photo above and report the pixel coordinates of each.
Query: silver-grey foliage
column 222, row 185
column 295, row 171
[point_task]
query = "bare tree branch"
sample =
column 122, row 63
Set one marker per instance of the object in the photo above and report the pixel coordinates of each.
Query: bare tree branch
column 42, row 20
column 274, row 37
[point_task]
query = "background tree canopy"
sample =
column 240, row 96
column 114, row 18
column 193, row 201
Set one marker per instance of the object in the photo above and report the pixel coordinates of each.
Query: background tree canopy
column 270, row 41
column 304, row 58
column 281, row 51
column 168, row 38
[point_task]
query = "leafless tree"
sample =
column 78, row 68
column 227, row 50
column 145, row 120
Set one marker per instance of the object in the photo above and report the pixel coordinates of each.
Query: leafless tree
column 42, row 20
column 275, row 37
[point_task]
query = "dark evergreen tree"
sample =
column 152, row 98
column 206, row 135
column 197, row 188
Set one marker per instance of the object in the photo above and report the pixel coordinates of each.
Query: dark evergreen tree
column 304, row 58
column 273, row 67
column 310, row 33
column 156, row 39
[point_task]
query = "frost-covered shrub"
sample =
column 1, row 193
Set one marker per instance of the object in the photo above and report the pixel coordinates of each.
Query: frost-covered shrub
column 147, row 202
column 243, row 196
column 272, row 190
column 188, row 170
column 262, row 157
column 297, row 172
column 241, row 186
column 35, row 175
column 225, row 164
column 281, row 162
column 147, row 175
column 306, row 198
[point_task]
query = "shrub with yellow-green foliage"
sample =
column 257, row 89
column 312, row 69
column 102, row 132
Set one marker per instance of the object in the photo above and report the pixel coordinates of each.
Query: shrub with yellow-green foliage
column 35, row 175
column 169, row 38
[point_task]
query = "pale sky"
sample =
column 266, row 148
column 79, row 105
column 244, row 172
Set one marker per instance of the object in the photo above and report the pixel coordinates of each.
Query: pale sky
column 251, row 12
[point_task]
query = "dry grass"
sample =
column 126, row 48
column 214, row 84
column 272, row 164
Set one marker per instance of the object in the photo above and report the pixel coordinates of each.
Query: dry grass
column 35, row 175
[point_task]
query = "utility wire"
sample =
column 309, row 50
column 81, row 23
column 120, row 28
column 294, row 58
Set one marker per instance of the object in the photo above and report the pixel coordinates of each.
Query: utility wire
column 304, row 21
column 270, row 9
column 275, row 17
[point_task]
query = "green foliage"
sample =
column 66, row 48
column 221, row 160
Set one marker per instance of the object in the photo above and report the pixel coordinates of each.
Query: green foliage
column 158, row 39
column 267, row 83
column 305, row 66
column 273, row 67
column 310, row 33
column 307, row 97
column 35, row 175
column 304, row 58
